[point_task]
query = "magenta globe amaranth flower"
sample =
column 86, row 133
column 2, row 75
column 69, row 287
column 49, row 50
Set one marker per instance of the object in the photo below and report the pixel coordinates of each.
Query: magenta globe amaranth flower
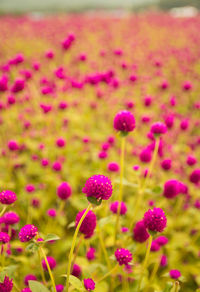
column 28, row 278
column 91, row 254
column 26, row 290
column 7, row 197
column 4, row 237
column 99, row 187
column 195, row 176
column 175, row 274
column 155, row 220
column 124, row 121
column 155, row 246
column 171, row 188
column 64, row 191
column 89, row 223
column 158, row 128
column 27, row 232
column 76, row 271
column 114, row 208
column 113, row 167
column 140, row 232
column 123, row 256
column 10, row 218
column 51, row 261
column 162, row 240
column 59, row 288
column 89, row 284
column 6, row 285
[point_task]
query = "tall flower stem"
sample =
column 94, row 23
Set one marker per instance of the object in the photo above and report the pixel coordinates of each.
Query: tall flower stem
column 104, row 249
column 153, row 274
column 122, row 154
column 49, row 269
column 3, row 210
column 73, row 245
column 108, row 274
column 145, row 262
column 143, row 185
column 41, row 268
column 77, row 249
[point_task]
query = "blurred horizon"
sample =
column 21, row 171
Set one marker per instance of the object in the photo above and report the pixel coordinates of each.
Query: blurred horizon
column 23, row 6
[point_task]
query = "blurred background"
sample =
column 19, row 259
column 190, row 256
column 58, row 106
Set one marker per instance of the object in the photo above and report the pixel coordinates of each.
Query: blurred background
column 21, row 6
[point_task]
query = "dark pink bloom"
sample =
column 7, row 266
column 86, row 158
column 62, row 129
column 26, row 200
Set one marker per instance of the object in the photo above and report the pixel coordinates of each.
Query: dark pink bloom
column 27, row 233
column 166, row 164
column 51, row 261
column 155, row 220
column 7, row 197
column 140, row 232
column 155, row 246
column 59, row 288
column 113, row 167
column 162, row 240
column 89, row 284
column 158, row 128
column 76, row 271
column 114, row 207
column 98, row 186
column 175, row 274
column 11, row 218
column 124, row 121
column 64, row 191
column 4, row 238
column 7, row 285
column 89, row 223
column 195, row 176
column 171, row 188
column 123, row 256
column 91, row 253
column 28, row 278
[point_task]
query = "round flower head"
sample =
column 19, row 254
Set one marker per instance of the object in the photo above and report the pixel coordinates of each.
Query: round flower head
column 114, row 208
column 123, row 256
column 76, row 271
column 27, row 232
column 113, row 166
column 51, row 261
column 10, row 218
column 89, row 223
column 124, row 121
column 163, row 261
column 51, row 213
column 28, row 278
column 7, row 197
column 26, row 290
column 89, row 284
column 155, row 246
column 195, row 176
column 64, row 191
column 158, row 128
column 98, row 186
column 140, row 233
column 59, row 288
column 4, row 237
column 91, row 254
column 175, row 274
column 155, row 220
column 30, row 188
column 7, row 285
column 166, row 164
column 171, row 189
column 162, row 240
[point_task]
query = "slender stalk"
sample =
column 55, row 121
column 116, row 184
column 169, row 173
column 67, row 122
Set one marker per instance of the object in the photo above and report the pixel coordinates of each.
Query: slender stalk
column 122, row 154
column 41, row 268
column 73, row 245
column 3, row 210
column 16, row 288
column 108, row 274
column 77, row 249
column 104, row 249
column 49, row 269
column 153, row 274
column 145, row 261
column 142, row 186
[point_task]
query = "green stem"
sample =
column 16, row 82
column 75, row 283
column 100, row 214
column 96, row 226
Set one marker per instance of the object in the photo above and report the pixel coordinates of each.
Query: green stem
column 108, row 274
column 155, row 269
column 49, row 269
column 122, row 154
column 3, row 210
column 73, row 245
column 142, row 187
column 104, row 249
column 41, row 268
column 145, row 261
column 77, row 249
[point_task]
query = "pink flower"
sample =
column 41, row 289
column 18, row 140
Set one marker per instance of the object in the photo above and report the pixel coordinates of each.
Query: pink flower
column 155, row 220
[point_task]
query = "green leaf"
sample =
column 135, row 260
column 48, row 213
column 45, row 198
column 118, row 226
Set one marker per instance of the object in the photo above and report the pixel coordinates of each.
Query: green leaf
column 94, row 201
column 104, row 221
column 32, row 247
column 10, row 270
column 2, row 276
column 51, row 237
column 75, row 282
column 157, row 189
column 72, row 224
column 37, row 286
column 168, row 287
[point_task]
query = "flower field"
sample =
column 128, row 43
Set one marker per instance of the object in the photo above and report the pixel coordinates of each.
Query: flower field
column 100, row 153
